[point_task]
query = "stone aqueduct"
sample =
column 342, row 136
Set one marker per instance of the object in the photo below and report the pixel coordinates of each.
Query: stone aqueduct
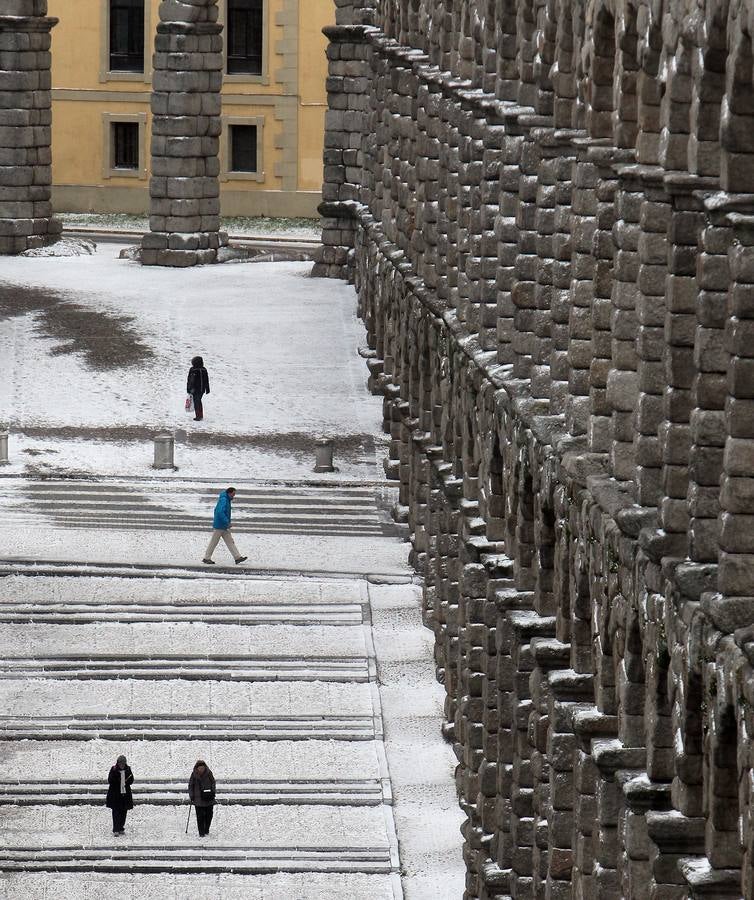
column 547, row 208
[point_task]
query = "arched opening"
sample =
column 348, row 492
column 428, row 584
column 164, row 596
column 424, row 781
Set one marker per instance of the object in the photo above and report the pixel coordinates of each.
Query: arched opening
column 600, row 77
column 737, row 119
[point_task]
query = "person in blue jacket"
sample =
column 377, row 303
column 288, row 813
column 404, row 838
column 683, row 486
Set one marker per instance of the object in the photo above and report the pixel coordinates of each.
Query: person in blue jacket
column 221, row 528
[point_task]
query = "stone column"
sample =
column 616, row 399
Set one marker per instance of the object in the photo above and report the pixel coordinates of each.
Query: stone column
column 184, row 189
column 26, row 219
column 349, row 73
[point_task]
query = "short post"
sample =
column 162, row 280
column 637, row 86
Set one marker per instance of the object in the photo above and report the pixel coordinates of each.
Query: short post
column 164, row 451
column 324, row 450
column 4, row 461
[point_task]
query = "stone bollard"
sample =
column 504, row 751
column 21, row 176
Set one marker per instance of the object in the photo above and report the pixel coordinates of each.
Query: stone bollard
column 324, row 450
column 164, row 451
column 4, row 461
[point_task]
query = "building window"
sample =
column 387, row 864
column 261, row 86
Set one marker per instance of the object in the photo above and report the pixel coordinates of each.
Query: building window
column 126, row 35
column 243, row 148
column 125, row 145
column 245, row 32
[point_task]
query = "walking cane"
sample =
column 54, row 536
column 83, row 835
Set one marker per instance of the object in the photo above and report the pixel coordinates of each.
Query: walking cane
column 188, row 819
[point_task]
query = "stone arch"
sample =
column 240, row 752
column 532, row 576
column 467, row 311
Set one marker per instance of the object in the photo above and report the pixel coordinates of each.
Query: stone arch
column 650, row 84
column 676, row 103
column 599, row 74
column 708, row 90
column 737, row 115
column 546, row 41
column 507, row 50
column 625, row 100
column 721, row 785
column 563, row 71
column 526, row 36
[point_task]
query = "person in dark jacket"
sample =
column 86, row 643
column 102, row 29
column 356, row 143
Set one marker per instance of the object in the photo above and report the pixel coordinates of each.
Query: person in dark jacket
column 201, row 788
column 221, row 528
column 119, row 799
column 197, row 384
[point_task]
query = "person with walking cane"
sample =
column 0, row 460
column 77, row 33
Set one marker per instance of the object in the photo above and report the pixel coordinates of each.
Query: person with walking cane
column 201, row 788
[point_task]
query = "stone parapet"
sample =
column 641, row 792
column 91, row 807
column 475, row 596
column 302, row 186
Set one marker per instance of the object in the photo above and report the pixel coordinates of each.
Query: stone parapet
column 555, row 278
column 26, row 218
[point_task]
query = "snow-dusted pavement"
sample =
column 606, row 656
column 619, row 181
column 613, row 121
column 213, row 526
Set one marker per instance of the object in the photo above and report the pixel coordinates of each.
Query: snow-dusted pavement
column 304, row 677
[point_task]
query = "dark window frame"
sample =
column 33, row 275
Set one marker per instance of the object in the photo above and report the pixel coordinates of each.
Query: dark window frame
column 245, row 25
column 126, row 50
column 236, row 166
column 125, row 140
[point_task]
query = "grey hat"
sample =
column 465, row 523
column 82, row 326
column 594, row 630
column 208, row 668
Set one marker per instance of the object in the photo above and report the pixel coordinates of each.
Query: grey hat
column 121, row 758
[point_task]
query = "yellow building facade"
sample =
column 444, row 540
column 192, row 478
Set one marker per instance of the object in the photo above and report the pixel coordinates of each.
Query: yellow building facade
column 274, row 103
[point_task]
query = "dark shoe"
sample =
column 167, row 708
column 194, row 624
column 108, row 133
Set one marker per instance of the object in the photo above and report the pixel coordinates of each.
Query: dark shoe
column 241, row 559
column 198, row 418
column 208, row 562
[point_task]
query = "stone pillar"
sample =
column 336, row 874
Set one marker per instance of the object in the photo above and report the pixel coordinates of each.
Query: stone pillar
column 26, row 219
column 349, row 73
column 184, row 189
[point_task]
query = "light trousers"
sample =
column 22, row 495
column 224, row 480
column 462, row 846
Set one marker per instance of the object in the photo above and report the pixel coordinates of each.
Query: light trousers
column 225, row 534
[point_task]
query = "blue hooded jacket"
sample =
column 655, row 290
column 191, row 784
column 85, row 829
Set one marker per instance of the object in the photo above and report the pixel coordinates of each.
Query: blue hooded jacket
column 222, row 511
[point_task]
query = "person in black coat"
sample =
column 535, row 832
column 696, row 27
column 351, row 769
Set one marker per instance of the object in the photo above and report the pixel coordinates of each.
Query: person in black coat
column 119, row 799
column 201, row 788
column 197, row 384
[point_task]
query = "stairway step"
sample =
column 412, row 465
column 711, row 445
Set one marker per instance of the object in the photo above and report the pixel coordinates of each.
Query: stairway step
column 341, row 792
column 201, row 857
column 188, row 668
column 219, row 613
column 159, row 728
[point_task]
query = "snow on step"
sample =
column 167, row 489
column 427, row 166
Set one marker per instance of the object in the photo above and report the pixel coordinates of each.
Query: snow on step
column 180, row 640
column 165, row 886
column 157, row 710
column 254, row 669
column 231, row 614
column 261, row 792
column 250, row 839
column 91, row 760
column 184, row 700
column 145, row 728
column 270, row 508
column 247, row 592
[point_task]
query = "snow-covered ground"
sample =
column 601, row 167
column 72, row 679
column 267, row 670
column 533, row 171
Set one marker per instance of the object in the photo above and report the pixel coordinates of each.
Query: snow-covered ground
column 281, row 349
column 241, row 666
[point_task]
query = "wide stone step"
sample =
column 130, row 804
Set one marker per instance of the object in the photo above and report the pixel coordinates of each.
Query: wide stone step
column 189, row 643
column 88, row 762
column 123, row 521
column 184, row 701
column 218, row 613
column 182, row 885
column 165, row 791
column 165, row 727
column 200, row 858
column 188, row 668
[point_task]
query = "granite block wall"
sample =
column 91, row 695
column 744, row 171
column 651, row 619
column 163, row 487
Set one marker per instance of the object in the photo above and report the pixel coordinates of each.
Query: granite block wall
column 26, row 219
column 547, row 212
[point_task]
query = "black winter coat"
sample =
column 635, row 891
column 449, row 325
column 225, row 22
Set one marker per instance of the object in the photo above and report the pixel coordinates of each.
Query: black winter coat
column 197, row 381
column 116, row 800
column 202, row 789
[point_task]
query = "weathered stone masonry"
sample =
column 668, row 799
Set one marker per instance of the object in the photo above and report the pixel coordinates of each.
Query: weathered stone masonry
column 547, row 209
column 186, row 125
column 26, row 219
